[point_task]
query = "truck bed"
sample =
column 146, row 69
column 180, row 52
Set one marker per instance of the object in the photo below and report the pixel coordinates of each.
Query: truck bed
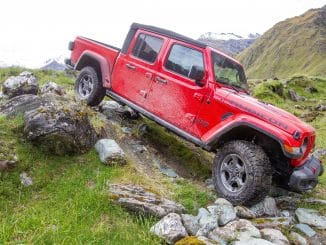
column 84, row 45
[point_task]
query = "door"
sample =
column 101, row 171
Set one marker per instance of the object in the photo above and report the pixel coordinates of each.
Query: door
column 134, row 71
column 174, row 96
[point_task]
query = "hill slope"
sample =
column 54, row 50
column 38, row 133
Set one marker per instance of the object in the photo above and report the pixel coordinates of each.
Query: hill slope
column 293, row 46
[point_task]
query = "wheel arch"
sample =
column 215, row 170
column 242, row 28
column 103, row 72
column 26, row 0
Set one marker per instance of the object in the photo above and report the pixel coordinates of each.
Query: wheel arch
column 99, row 63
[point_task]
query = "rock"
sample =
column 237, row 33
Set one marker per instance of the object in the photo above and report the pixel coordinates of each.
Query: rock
column 274, row 236
column 315, row 201
column 235, row 230
column 285, row 213
column 191, row 224
column 311, row 217
column 287, row 202
column 310, row 116
column 297, row 239
column 319, row 153
column 306, row 229
column 3, row 96
column 52, row 87
column 60, row 127
column 20, row 104
column 110, row 152
column 190, row 240
column 137, row 199
column 276, row 191
column 245, row 213
column 275, row 222
column 294, row 96
column 207, row 222
column 112, row 109
column 321, row 107
column 311, row 89
column 170, row 228
column 168, row 172
column 8, row 164
column 209, row 181
column 25, row 180
column 25, row 83
column 252, row 241
column 267, row 207
column 224, row 211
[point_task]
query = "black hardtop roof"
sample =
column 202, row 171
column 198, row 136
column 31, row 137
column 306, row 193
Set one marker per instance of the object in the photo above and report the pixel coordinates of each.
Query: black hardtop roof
column 168, row 33
column 135, row 26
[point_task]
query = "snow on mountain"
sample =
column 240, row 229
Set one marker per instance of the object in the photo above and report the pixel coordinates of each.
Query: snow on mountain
column 228, row 43
column 56, row 64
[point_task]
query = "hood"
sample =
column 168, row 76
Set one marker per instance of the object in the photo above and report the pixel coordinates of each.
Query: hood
column 269, row 113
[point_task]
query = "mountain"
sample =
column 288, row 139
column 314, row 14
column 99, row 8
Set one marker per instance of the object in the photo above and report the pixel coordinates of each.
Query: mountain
column 294, row 46
column 228, row 43
column 56, row 64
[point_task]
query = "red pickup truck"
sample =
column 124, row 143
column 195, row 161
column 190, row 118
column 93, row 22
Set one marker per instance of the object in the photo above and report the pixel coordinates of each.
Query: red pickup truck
column 201, row 94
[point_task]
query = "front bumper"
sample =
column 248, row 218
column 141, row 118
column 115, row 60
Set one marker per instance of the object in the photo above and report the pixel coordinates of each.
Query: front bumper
column 306, row 176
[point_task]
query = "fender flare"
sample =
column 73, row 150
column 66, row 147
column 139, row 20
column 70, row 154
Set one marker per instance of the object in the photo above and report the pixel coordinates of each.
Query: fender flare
column 233, row 125
column 104, row 65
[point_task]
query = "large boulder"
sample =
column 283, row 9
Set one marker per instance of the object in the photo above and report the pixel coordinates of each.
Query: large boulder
column 170, row 228
column 137, row 199
column 60, row 127
column 311, row 217
column 266, row 207
column 224, row 211
column 191, row 224
column 25, row 83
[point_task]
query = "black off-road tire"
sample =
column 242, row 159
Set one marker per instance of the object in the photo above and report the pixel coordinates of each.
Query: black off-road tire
column 92, row 95
column 258, row 173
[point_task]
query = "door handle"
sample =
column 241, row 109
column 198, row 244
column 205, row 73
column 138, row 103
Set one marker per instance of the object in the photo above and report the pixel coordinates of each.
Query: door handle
column 131, row 67
column 161, row 80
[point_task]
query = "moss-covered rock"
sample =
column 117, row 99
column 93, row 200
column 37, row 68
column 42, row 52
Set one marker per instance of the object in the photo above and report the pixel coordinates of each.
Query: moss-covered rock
column 190, row 240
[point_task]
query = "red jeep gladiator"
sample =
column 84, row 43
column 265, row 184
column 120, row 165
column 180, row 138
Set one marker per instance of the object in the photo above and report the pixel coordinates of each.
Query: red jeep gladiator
column 201, row 94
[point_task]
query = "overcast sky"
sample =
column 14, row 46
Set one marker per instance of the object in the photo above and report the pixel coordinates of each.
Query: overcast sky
column 35, row 30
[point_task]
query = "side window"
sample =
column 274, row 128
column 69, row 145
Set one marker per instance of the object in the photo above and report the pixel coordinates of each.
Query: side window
column 147, row 47
column 183, row 59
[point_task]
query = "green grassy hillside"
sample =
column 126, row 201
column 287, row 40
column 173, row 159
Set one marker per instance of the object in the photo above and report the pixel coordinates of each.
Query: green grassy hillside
column 293, row 46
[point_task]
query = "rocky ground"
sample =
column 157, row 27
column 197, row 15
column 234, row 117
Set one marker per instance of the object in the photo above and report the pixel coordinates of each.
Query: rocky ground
column 59, row 125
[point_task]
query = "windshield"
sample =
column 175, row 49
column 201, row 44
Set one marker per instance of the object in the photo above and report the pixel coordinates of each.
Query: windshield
column 228, row 72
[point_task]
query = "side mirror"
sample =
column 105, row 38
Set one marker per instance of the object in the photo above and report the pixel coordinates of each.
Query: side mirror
column 197, row 74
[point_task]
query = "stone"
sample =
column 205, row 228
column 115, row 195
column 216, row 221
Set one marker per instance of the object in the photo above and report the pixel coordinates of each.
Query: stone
column 311, row 217
column 320, row 107
column 310, row 116
column 294, row 96
column 287, row 202
column 206, row 240
column 252, row 241
column 25, row 180
column 311, row 89
column 111, row 109
column 8, row 164
column 137, row 199
column 191, row 224
column 52, row 87
column 170, row 228
column 168, row 172
column 306, row 229
column 274, row 236
column 25, row 83
column 20, row 104
column 315, row 201
column 274, row 222
column 110, row 152
column 297, row 239
column 235, row 230
column 207, row 222
column 244, row 212
column 319, row 153
column 267, row 207
column 60, row 127
column 224, row 211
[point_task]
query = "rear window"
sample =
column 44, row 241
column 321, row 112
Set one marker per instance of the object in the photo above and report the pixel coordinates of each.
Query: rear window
column 181, row 60
column 147, row 47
